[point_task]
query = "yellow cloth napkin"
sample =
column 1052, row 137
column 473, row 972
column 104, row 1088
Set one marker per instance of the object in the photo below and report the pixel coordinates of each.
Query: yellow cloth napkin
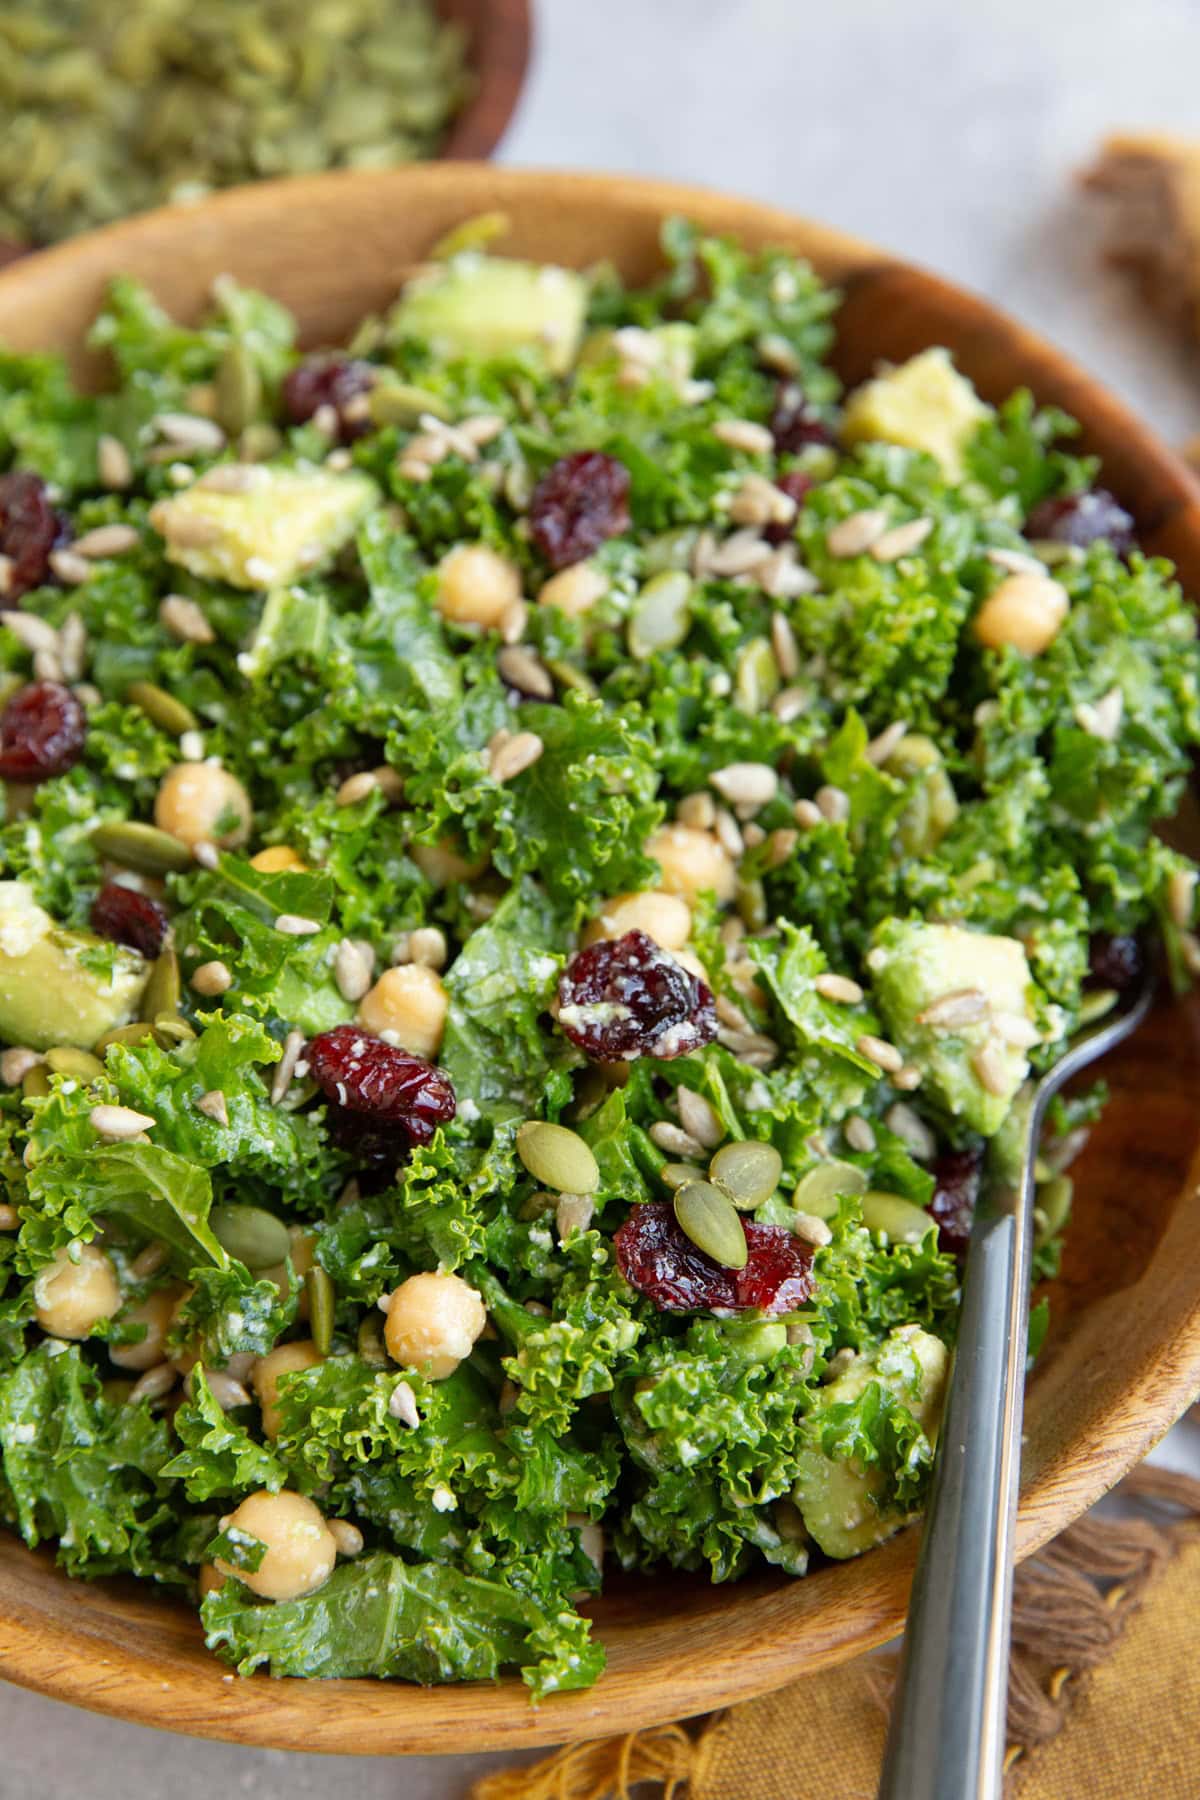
column 1104, row 1695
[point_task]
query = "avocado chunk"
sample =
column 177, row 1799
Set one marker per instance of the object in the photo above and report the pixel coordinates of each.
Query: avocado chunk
column 59, row 986
column 838, row 1499
column 488, row 306
column 957, row 1003
column 924, row 404
column 285, row 523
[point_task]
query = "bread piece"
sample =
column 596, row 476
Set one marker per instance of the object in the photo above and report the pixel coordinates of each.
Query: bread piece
column 1153, row 183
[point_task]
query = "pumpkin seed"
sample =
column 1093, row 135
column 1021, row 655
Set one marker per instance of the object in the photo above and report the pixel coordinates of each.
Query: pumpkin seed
column 143, row 848
column 674, row 1174
column 474, row 233
column 708, row 1216
column 370, row 1343
column 322, row 1303
column 661, row 616
column 35, row 1083
column 1053, row 1203
column 756, row 677
column 747, row 1171
column 399, row 403
column 249, row 1233
column 1093, row 1006
column 161, row 708
column 80, row 1064
column 558, row 1158
column 239, row 389
column 899, row 1219
column 140, row 1033
column 819, row 1192
column 161, row 996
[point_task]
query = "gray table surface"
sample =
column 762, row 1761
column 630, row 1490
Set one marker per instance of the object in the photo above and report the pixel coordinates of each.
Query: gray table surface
column 946, row 132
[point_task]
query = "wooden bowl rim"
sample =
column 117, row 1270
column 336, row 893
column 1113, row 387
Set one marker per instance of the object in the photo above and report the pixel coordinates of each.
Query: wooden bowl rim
column 500, row 47
column 757, row 1652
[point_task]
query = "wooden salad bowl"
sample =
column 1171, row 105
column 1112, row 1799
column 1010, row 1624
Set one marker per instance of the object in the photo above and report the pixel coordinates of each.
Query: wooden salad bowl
column 1123, row 1357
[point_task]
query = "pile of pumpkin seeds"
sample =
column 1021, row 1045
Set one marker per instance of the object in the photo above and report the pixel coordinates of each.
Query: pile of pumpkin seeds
column 109, row 109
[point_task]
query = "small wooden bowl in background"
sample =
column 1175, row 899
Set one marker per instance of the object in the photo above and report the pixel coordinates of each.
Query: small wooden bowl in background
column 1123, row 1357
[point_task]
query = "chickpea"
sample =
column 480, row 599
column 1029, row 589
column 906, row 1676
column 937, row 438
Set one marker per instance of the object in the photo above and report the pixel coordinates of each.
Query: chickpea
column 71, row 1297
column 574, row 590
column 476, row 586
column 300, row 1552
column 664, row 917
column 1025, row 611
column 443, row 865
column 409, row 1005
column 209, row 1579
column 155, row 1312
column 286, row 1360
column 201, row 803
column 692, row 861
column 276, row 858
column 432, row 1324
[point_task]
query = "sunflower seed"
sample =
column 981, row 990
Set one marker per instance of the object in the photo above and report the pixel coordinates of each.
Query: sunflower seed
column 154, row 1384
column 783, row 577
column 698, row 811
column 907, row 1078
column 72, row 647
column 225, row 1390
column 351, row 971
column 573, row 1213
column 513, row 755
column 738, row 554
column 149, row 1261
column 15, row 1064
column 989, row 1065
column 858, row 1134
column 910, row 1126
column 188, row 431
column 675, row 1141
column 206, row 854
column 187, row 531
column 526, row 672
column 1181, row 896
column 71, row 569
column 403, row 1405
column 780, row 844
column 853, row 536
column 119, row 1122
column 776, row 354
column 113, row 462
column 833, row 803
column 731, row 1014
column 106, row 540
column 1014, row 1029
column 813, row 1230
column 881, row 748
column 1016, row 562
column 901, row 540
column 185, row 620
column 744, row 434
column 31, row 632
column 1103, row 720
column 427, row 946
column 783, row 643
column 747, row 786
column 296, row 925
column 877, row 1050
column 725, row 826
column 235, row 478
column 953, row 1010
column 758, row 501
column 838, row 988
column 285, row 1068
column 698, row 1118
column 213, row 1105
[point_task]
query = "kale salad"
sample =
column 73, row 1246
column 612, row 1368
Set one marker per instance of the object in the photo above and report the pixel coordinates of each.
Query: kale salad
column 539, row 847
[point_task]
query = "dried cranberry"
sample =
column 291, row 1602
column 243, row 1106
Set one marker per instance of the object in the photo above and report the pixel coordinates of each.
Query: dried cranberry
column 1082, row 519
column 1114, row 962
column 660, row 1261
column 124, row 916
column 329, row 381
column 385, row 1086
column 625, row 997
column 42, row 730
column 580, row 501
column 794, row 422
column 29, row 529
column 956, row 1176
column 796, row 485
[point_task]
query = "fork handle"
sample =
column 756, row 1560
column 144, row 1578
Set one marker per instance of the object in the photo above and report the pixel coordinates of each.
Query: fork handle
column 947, row 1734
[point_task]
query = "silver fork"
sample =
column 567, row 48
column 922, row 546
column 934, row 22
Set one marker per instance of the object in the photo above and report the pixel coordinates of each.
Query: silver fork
column 946, row 1740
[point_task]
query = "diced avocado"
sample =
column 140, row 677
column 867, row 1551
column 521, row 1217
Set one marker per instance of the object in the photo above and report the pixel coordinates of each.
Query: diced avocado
column 487, row 306
column 49, row 994
column 837, row 1499
column 284, row 524
column 954, row 1000
column 924, row 404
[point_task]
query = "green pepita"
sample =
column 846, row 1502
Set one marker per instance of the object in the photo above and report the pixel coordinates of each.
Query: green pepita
column 239, row 389
column 65, row 1059
column 249, row 1233
column 162, row 991
column 1096, row 1005
column 35, row 1083
column 475, row 233
column 142, row 848
column 819, row 1191
column 399, row 403
column 558, row 1158
column 709, row 1217
column 673, row 1175
column 259, row 441
column 566, row 675
column 1053, row 1201
column 161, row 708
column 661, row 615
column 750, row 899
column 756, row 676
column 747, row 1171
column 142, row 1032
column 897, row 1218
column 322, row 1304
